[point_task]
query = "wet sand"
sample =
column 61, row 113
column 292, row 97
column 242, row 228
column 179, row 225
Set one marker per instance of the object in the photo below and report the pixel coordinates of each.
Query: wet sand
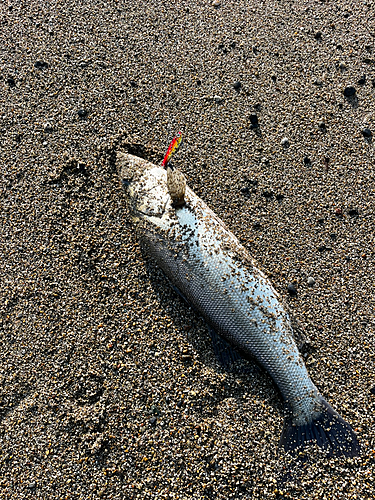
column 109, row 384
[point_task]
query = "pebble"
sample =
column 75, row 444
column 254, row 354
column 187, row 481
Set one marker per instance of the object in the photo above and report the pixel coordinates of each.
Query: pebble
column 362, row 80
column 342, row 65
column 237, row 85
column 254, row 121
column 353, row 212
column 349, row 91
column 338, row 212
column 321, row 125
column 310, row 281
column 82, row 113
column 285, row 142
column 292, row 290
column 366, row 132
column 218, row 99
column 48, row 127
column 318, row 35
column 41, row 64
column 216, row 3
column 11, row 81
column 307, row 160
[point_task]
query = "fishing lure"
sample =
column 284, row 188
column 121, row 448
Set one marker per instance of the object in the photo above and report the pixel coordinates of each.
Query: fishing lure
column 173, row 147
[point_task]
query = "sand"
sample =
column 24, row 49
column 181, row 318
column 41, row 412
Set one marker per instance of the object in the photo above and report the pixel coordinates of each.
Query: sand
column 109, row 384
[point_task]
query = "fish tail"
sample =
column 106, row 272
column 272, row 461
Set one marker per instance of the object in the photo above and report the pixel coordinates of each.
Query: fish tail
column 327, row 429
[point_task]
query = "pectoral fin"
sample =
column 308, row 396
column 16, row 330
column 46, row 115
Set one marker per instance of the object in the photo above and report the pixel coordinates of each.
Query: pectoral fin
column 231, row 360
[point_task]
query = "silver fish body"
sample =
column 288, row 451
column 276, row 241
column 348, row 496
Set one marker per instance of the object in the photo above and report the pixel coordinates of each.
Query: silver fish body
column 216, row 274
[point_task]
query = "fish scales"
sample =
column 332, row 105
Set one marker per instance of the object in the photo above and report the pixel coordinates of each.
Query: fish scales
column 216, row 274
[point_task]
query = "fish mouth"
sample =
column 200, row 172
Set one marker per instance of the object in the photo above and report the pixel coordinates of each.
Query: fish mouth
column 145, row 185
column 130, row 168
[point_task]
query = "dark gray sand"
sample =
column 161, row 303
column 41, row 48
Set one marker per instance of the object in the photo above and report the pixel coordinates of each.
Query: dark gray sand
column 109, row 385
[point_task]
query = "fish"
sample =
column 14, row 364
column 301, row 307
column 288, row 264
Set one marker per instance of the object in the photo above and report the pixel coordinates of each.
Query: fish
column 210, row 268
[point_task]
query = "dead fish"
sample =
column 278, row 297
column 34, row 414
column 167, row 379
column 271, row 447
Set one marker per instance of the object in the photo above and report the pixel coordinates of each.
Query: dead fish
column 216, row 274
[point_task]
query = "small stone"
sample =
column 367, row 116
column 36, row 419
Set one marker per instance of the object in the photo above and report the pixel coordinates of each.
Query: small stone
column 342, row 65
column 176, row 184
column 323, row 248
column 353, row 212
column 245, row 190
column 285, row 142
column 153, row 420
column 40, row 64
column 333, row 236
column 292, row 289
column 372, row 390
column 254, row 121
column 237, row 85
column 273, row 77
column 338, row 212
column 31, row 486
column 11, row 81
column 48, row 127
column 366, row 132
column 154, row 410
column 362, row 80
column 322, row 125
column 310, row 281
column 267, row 194
column 82, row 113
column 307, row 160
column 349, row 91
column 256, row 225
column 218, row 99
column 133, row 100
column 216, row 3
column 318, row 35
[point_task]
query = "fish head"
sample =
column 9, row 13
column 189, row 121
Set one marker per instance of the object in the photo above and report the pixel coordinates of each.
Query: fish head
column 145, row 185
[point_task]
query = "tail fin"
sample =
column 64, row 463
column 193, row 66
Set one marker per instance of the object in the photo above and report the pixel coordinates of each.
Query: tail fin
column 328, row 430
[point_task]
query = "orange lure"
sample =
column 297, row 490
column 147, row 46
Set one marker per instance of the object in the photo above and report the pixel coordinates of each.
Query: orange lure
column 173, row 147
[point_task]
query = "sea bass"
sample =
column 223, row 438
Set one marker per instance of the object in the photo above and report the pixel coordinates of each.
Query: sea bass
column 218, row 277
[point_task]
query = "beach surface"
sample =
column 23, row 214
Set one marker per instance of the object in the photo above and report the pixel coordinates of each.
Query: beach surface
column 109, row 386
